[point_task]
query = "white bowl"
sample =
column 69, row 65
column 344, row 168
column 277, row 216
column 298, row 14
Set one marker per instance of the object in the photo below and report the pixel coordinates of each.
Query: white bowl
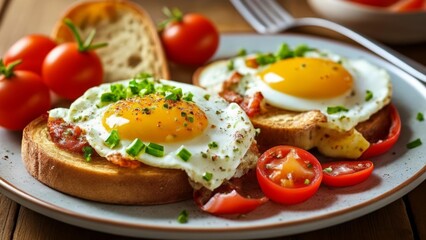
column 380, row 24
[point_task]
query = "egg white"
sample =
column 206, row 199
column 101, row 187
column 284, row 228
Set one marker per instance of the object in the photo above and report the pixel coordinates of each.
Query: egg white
column 228, row 126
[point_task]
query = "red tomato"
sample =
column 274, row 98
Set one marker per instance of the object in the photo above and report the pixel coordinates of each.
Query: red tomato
column 229, row 203
column 376, row 3
column 69, row 72
column 408, row 5
column 346, row 173
column 288, row 175
column 385, row 145
column 190, row 40
column 32, row 50
column 23, row 97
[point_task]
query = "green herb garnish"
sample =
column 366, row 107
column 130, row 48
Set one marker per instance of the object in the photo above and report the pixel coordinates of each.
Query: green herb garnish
column 230, row 65
column 184, row 154
column 414, row 143
column 113, row 139
column 207, row 176
column 242, row 52
column 420, row 117
column 336, row 109
column 368, row 95
column 207, row 97
column 155, row 150
column 212, row 145
column 183, row 217
column 87, row 153
column 135, row 147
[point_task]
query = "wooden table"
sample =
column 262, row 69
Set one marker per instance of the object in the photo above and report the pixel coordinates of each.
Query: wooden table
column 403, row 219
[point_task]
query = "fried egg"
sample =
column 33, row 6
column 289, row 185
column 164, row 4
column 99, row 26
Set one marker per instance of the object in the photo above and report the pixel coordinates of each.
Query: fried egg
column 346, row 91
column 176, row 126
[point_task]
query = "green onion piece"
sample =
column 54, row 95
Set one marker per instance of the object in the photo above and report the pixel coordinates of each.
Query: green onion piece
column 207, row 97
column 242, row 52
column 307, row 181
column 230, row 65
column 87, row 152
column 155, row 150
column 191, row 119
column 336, row 109
column 212, row 145
column 300, row 50
column 108, row 97
column 207, row 176
column 414, row 143
column 264, row 59
column 284, row 52
column 184, row 154
column 135, row 147
column 368, row 95
column 188, row 97
column 328, row 170
column 420, row 117
column 113, row 139
column 183, row 217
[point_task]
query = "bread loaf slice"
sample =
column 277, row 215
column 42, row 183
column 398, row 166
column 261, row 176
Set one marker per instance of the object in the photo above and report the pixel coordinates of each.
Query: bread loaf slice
column 98, row 179
column 133, row 42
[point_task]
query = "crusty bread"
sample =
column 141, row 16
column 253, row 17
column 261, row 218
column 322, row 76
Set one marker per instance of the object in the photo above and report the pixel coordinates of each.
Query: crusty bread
column 98, row 179
column 134, row 45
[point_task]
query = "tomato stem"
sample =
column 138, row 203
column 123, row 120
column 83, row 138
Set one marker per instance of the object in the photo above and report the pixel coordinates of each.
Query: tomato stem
column 87, row 44
column 173, row 15
column 7, row 71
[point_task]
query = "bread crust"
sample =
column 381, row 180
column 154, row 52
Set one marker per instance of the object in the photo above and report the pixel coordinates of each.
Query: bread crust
column 98, row 179
column 134, row 45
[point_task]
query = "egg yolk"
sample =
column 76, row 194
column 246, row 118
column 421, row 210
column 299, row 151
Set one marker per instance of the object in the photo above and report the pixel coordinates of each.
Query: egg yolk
column 154, row 119
column 309, row 78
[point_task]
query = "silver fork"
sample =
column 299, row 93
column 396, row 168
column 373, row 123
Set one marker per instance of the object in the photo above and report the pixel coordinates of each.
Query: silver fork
column 267, row 17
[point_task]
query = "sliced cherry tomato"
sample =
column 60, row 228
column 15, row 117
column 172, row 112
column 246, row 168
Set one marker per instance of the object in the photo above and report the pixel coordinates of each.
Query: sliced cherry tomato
column 385, row 145
column 346, row 173
column 72, row 68
column 189, row 39
column 32, row 50
column 230, row 197
column 288, row 175
column 23, row 97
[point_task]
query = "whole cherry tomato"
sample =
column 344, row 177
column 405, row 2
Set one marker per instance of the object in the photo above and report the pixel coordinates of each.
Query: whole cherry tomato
column 385, row 145
column 23, row 97
column 346, row 173
column 72, row 68
column 32, row 50
column 288, row 175
column 189, row 39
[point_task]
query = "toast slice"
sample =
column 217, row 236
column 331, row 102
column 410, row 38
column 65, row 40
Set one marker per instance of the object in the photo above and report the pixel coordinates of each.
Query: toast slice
column 133, row 42
column 98, row 179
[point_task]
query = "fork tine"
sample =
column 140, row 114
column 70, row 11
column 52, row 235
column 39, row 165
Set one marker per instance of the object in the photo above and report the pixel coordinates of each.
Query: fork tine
column 279, row 11
column 247, row 13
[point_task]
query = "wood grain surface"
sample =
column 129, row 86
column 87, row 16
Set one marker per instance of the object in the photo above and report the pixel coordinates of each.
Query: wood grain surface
column 402, row 219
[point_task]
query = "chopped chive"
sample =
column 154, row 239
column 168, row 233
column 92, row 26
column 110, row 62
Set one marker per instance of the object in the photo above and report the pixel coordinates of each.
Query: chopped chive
column 113, row 139
column 300, row 50
column 414, row 143
column 155, row 150
column 87, row 152
column 183, row 114
column 212, row 145
column 328, row 170
column 307, row 182
column 184, row 154
column 242, row 52
column 420, row 117
column 207, row 176
column 336, row 109
column 135, row 147
column 368, row 95
column 230, row 65
column 108, row 97
column 188, row 97
column 191, row 119
column 207, row 97
column 183, row 217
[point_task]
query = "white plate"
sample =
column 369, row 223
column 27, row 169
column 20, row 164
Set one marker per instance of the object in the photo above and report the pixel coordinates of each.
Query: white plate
column 396, row 173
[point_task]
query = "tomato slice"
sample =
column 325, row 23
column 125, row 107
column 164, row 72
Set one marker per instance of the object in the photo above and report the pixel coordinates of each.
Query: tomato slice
column 385, row 145
column 288, row 175
column 229, row 199
column 346, row 173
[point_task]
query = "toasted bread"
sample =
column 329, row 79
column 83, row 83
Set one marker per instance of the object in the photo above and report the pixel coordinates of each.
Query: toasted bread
column 133, row 42
column 98, row 179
